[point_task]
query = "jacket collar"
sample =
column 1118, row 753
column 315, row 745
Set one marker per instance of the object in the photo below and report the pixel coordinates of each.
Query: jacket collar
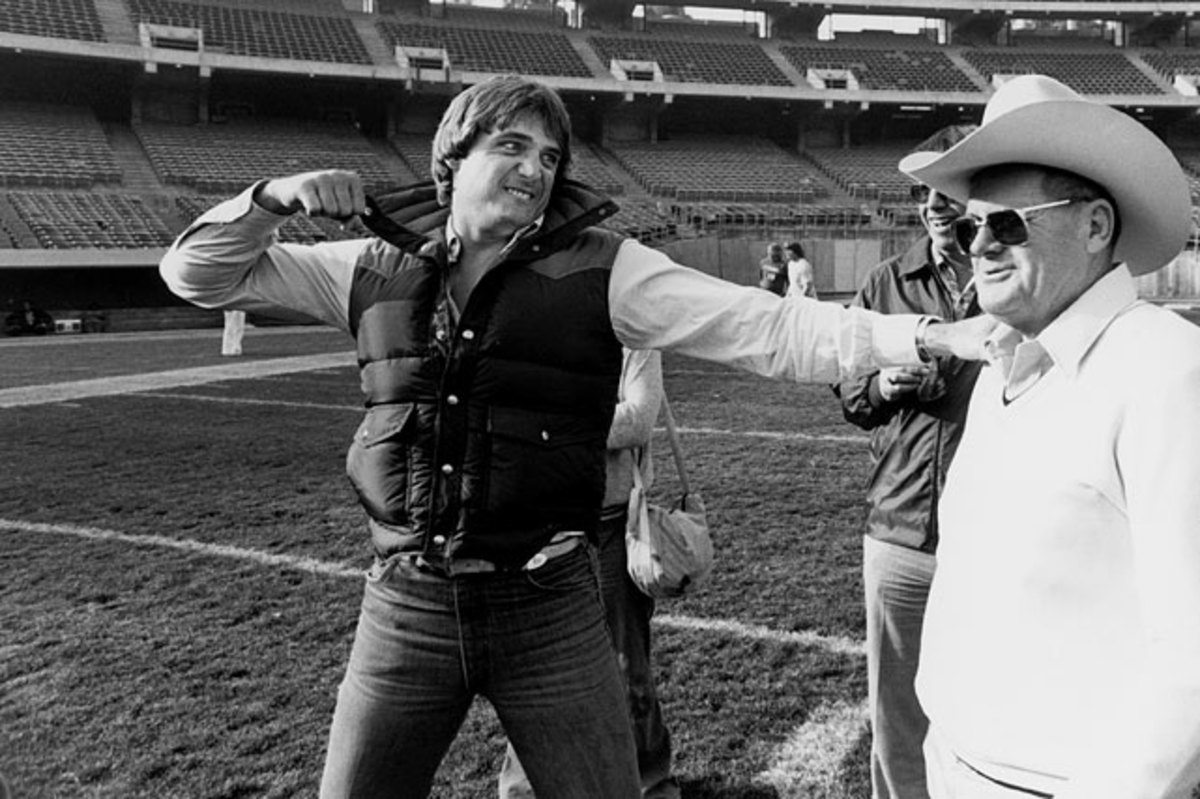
column 917, row 257
column 410, row 216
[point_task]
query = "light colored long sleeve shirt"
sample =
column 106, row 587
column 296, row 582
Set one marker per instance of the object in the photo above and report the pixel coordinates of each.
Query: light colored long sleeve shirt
column 229, row 258
column 1061, row 646
column 639, row 399
column 800, row 279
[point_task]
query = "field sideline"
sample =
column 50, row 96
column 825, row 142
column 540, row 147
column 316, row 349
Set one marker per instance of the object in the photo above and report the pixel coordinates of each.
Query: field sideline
column 180, row 524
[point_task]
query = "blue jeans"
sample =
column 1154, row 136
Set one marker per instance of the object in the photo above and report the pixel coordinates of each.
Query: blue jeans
column 532, row 642
column 896, row 580
column 628, row 613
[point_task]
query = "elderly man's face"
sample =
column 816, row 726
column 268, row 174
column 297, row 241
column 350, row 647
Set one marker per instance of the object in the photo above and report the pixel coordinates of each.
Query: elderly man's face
column 504, row 182
column 938, row 213
column 1028, row 285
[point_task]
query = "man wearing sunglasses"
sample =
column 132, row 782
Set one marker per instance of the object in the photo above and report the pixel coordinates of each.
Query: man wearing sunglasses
column 915, row 415
column 1062, row 637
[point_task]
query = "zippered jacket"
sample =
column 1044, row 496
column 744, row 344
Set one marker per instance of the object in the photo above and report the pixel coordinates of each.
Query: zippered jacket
column 912, row 442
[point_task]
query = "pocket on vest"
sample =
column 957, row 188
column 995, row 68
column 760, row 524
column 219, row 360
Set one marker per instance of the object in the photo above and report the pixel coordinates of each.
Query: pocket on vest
column 378, row 461
column 545, row 467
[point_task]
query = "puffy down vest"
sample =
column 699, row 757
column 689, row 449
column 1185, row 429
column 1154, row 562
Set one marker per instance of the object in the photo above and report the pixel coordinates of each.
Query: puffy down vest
column 483, row 439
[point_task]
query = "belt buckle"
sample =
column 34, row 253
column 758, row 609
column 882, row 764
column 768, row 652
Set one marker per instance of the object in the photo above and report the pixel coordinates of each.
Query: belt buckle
column 551, row 551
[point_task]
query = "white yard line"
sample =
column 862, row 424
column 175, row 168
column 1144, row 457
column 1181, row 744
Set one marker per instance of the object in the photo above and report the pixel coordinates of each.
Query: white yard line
column 733, row 629
column 806, row 764
column 810, row 761
column 126, row 384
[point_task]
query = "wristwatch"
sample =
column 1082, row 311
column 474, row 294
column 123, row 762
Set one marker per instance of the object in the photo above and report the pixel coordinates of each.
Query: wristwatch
column 922, row 327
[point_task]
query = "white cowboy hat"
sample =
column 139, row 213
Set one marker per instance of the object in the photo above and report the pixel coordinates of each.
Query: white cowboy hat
column 1034, row 119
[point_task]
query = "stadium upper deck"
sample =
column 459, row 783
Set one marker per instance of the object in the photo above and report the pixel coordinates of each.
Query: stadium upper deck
column 120, row 119
column 445, row 43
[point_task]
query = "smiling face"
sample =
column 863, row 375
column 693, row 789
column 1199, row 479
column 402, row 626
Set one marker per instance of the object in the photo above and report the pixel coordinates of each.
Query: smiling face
column 504, row 181
column 938, row 213
column 1027, row 286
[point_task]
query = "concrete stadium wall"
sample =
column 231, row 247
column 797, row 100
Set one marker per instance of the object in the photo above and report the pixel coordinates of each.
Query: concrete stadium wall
column 839, row 265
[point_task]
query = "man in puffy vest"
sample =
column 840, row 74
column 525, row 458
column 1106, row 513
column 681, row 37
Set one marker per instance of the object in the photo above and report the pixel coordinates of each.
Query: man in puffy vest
column 489, row 317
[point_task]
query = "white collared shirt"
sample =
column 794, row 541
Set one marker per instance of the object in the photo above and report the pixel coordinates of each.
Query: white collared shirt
column 1061, row 646
column 229, row 258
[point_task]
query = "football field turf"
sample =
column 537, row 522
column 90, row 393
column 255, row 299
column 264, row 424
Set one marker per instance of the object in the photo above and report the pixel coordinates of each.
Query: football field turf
column 181, row 560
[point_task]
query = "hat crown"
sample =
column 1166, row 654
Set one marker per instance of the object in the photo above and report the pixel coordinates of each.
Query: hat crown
column 1027, row 90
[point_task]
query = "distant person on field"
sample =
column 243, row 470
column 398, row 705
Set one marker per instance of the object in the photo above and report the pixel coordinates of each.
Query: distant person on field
column 799, row 272
column 915, row 415
column 28, row 321
column 490, row 316
column 772, row 270
column 1061, row 648
column 627, row 610
column 234, row 332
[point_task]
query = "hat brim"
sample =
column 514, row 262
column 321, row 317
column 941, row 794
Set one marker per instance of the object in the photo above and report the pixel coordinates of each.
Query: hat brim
column 1095, row 141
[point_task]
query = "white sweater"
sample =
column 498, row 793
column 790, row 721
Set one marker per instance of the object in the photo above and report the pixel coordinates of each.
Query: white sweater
column 1061, row 647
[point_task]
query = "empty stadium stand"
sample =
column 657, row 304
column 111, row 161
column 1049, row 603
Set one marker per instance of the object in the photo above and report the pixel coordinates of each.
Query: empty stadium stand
column 868, row 173
column 1087, row 71
column 909, row 68
column 80, row 220
column 644, row 220
column 298, row 228
column 240, row 29
column 416, row 151
column 495, row 49
column 53, row 146
column 721, row 168
column 691, row 60
column 228, row 157
column 58, row 19
column 1170, row 62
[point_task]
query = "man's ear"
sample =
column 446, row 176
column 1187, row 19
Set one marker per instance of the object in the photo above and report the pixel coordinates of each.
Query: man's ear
column 1102, row 225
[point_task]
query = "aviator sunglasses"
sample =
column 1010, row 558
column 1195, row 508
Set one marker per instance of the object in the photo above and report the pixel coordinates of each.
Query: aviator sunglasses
column 1009, row 227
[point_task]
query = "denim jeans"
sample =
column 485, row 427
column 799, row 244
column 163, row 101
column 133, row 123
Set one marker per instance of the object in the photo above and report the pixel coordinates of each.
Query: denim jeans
column 628, row 612
column 532, row 642
column 896, row 580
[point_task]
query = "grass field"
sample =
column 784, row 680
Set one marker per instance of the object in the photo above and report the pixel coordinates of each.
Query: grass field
column 179, row 575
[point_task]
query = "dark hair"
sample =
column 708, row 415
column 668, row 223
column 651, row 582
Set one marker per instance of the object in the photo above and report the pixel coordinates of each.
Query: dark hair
column 795, row 248
column 492, row 105
column 1061, row 184
column 944, row 138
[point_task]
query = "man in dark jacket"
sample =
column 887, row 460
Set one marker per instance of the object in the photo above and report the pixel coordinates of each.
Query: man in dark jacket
column 489, row 318
column 915, row 415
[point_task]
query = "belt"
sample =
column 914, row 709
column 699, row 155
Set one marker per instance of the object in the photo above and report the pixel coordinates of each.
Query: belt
column 461, row 566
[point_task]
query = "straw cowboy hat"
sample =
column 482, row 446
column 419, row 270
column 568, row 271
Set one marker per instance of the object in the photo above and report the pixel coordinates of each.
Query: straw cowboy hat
column 1034, row 119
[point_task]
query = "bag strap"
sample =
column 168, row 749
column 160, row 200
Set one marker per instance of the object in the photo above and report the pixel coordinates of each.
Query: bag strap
column 673, row 438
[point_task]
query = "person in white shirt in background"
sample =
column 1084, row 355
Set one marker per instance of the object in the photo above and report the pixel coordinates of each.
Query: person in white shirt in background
column 235, row 330
column 1061, row 646
column 799, row 271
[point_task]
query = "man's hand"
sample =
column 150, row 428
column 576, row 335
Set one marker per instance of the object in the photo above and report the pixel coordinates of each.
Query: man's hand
column 963, row 339
column 335, row 193
column 898, row 382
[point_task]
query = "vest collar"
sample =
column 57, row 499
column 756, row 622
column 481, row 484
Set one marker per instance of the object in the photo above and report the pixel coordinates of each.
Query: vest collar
column 411, row 215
